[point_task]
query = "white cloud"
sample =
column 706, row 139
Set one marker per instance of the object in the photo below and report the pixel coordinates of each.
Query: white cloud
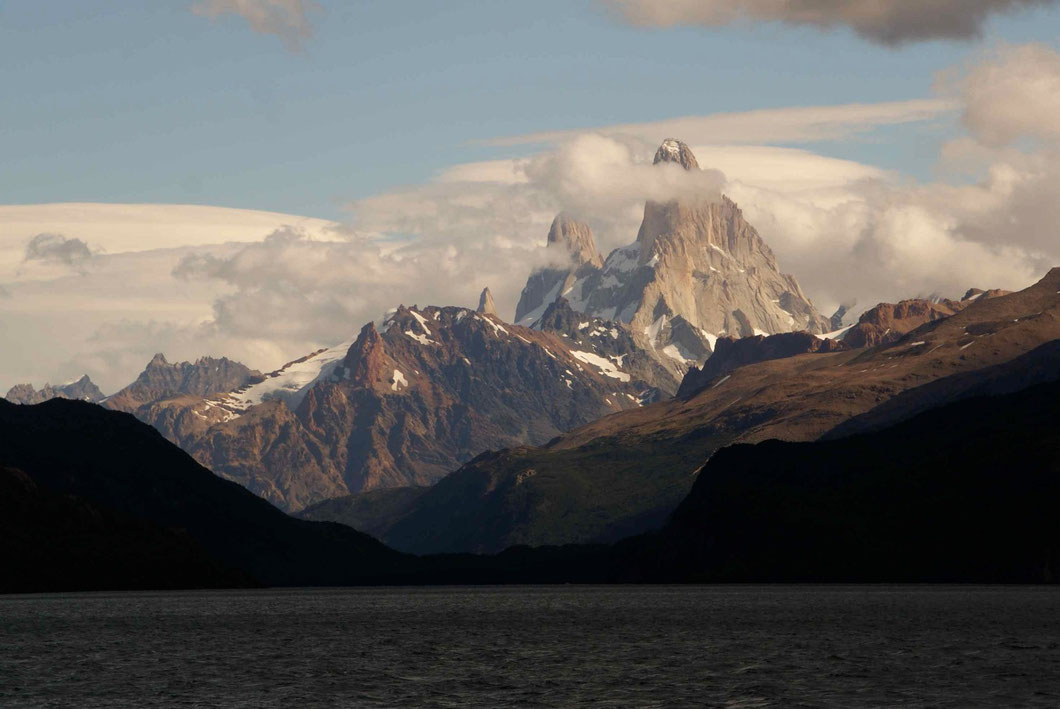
column 799, row 124
column 890, row 22
column 116, row 228
column 288, row 19
column 1014, row 94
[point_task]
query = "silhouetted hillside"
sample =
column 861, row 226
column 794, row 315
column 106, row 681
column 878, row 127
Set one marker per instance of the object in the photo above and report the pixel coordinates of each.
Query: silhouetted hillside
column 127, row 469
column 965, row 492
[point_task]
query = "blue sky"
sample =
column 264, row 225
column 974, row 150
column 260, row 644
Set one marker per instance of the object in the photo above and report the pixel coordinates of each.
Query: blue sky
column 127, row 101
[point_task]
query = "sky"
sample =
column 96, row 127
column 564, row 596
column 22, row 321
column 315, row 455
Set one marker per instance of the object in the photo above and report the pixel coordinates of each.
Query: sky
column 258, row 178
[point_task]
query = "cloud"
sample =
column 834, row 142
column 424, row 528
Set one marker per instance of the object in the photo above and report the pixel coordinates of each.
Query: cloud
column 1014, row 94
column 57, row 249
column 287, row 19
column 888, row 22
column 125, row 228
column 801, row 124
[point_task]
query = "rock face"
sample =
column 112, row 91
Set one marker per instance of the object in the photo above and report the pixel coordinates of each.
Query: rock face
column 697, row 271
column 887, row 322
column 730, row 353
column 613, row 340
column 83, row 390
column 485, row 303
column 162, row 380
column 408, row 401
column 572, row 247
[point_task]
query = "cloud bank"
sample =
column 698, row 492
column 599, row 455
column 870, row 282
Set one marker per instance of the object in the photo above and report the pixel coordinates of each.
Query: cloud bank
column 887, row 22
column 805, row 124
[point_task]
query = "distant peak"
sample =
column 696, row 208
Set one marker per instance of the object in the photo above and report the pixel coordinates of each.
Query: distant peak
column 485, row 303
column 158, row 359
column 576, row 237
column 673, row 150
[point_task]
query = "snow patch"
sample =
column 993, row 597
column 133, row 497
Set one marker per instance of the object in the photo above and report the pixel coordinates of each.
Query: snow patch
column 399, row 381
column 710, row 337
column 422, row 320
column 835, row 334
column 652, row 331
column 289, row 383
column 422, row 339
column 606, row 366
column 496, row 328
column 675, row 351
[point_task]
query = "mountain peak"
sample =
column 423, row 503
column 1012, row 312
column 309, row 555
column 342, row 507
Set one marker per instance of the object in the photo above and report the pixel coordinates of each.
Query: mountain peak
column 576, row 237
column 673, row 150
column 485, row 303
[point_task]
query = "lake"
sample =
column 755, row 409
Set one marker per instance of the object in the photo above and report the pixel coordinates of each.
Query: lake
column 736, row 646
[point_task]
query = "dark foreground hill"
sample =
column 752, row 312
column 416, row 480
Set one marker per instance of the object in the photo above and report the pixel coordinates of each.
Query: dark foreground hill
column 53, row 541
column 964, row 492
column 111, row 488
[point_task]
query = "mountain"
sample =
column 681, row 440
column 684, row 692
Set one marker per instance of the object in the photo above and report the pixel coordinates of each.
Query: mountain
column 90, row 477
column 161, row 380
column 730, row 353
column 696, row 272
column 571, row 245
column 961, row 493
column 887, row 322
column 626, row 472
column 83, row 389
column 409, row 401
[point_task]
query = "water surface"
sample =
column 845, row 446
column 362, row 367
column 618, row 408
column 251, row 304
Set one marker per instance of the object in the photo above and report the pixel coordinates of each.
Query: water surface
column 529, row 646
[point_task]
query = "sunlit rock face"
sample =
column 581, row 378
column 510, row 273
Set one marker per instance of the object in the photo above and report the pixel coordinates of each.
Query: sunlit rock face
column 697, row 271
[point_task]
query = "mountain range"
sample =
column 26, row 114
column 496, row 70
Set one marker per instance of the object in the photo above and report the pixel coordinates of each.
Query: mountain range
column 83, row 389
column 422, row 390
column 624, row 473
column 589, row 429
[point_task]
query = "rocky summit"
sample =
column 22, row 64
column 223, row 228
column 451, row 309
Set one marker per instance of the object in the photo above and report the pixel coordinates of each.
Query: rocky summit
column 697, row 271
column 485, row 303
column 84, row 389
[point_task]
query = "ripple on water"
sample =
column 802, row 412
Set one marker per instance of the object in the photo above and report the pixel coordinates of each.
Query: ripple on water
column 542, row 646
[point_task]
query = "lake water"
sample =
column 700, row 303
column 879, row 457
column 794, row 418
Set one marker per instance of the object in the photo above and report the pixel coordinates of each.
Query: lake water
column 533, row 646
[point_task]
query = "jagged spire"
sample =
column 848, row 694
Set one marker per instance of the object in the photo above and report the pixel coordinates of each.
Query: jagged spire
column 576, row 237
column 673, row 150
column 485, row 303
